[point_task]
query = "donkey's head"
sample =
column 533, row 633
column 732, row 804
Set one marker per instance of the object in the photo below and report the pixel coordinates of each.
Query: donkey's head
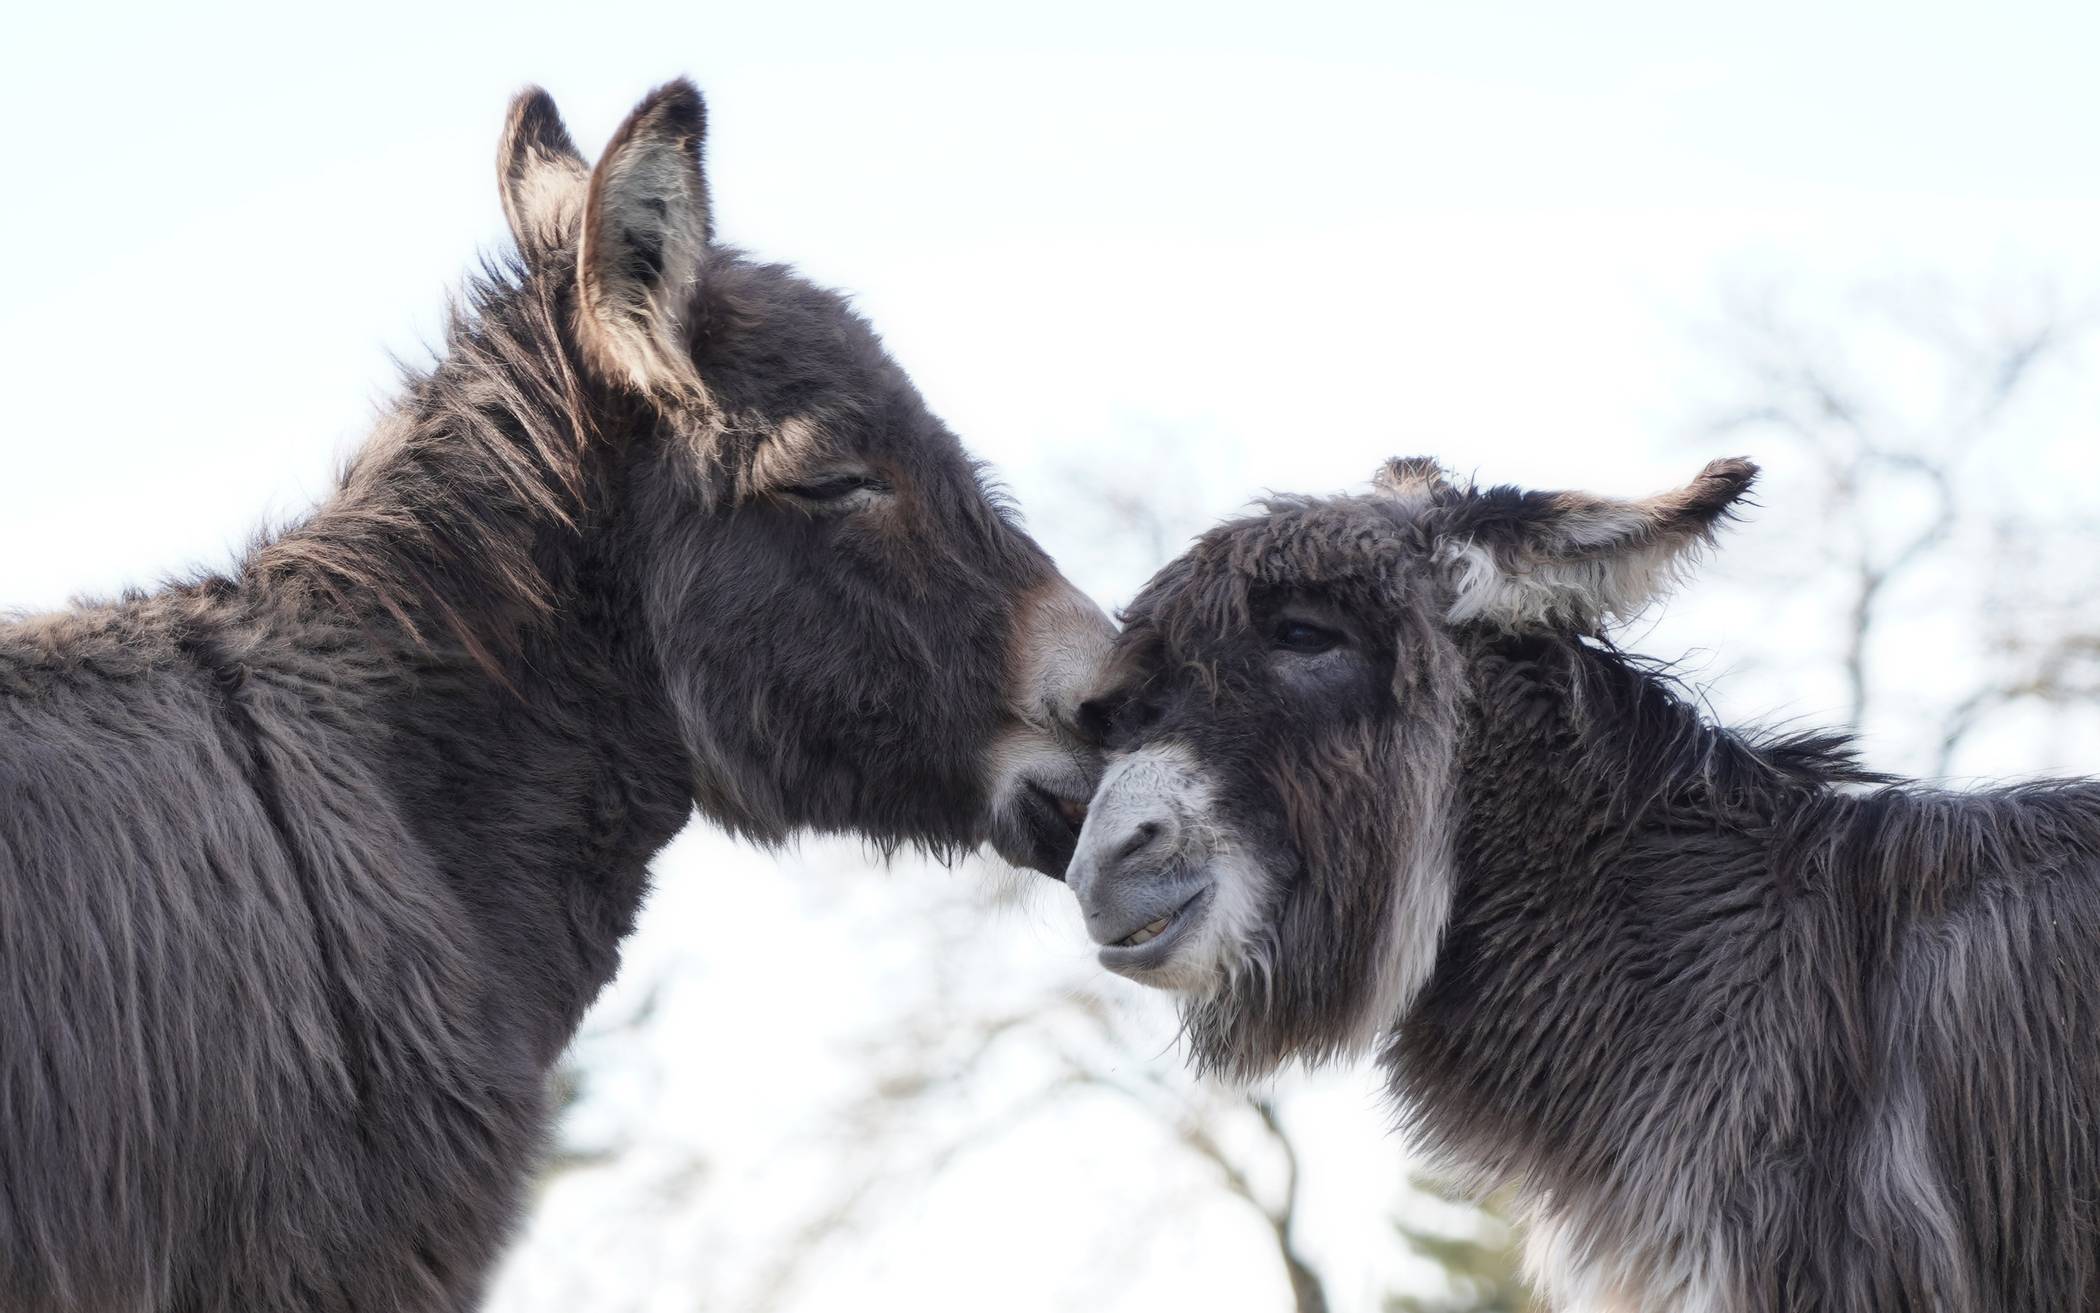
column 854, row 632
column 1272, row 838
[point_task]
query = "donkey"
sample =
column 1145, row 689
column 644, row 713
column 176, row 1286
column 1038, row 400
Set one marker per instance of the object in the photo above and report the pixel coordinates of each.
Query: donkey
column 309, row 870
column 1747, row 1027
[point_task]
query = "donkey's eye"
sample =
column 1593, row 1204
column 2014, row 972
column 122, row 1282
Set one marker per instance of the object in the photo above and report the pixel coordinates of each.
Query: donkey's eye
column 836, row 487
column 1298, row 636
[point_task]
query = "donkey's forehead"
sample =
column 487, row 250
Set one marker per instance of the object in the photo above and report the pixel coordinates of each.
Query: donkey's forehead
column 800, row 377
column 786, row 322
column 1354, row 547
column 1303, row 542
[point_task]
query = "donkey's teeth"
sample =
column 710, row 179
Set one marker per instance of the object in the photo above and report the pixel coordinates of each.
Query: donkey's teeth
column 1146, row 932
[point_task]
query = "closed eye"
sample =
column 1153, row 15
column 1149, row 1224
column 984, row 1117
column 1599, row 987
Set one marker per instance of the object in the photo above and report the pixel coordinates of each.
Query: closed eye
column 836, row 487
column 1310, row 639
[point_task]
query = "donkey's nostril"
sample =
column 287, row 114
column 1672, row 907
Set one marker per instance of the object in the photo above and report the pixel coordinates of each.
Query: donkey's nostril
column 1140, row 839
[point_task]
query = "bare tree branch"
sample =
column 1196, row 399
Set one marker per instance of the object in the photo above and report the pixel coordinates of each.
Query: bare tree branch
column 1798, row 389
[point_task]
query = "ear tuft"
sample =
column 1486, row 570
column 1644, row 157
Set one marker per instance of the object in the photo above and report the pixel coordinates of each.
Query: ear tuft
column 1720, row 486
column 541, row 174
column 1576, row 560
column 647, row 224
column 1416, row 480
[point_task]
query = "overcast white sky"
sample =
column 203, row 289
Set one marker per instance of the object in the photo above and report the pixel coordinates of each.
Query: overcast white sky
column 1209, row 248
column 1307, row 236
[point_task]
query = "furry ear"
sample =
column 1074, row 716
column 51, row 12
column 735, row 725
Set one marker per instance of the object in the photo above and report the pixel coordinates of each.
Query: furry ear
column 1574, row 560
column 542, row 176
column 646, row 228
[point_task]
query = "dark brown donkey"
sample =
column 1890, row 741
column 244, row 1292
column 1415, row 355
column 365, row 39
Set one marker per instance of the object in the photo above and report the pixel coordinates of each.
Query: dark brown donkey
column 1750, row 1031
column 307, row 872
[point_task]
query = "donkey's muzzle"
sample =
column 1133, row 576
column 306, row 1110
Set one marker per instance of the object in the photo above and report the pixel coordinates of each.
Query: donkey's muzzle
column 1044, row 768
column 1042, row 827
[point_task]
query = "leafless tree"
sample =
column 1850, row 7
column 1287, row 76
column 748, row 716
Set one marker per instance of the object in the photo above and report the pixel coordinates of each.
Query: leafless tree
column 1899, row 406
column 1078, row 1045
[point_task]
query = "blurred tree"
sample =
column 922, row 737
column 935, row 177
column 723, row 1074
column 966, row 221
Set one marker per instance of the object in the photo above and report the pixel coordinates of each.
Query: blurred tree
column 929, row 1102
column 1897, row 411
column 1481, row 1261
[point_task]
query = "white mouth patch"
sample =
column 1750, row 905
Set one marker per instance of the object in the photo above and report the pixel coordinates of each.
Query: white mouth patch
column 1164, row 785
column 1167, row 786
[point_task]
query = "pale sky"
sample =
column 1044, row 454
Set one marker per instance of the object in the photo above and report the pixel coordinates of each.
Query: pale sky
column 1303, row 241
column 1196, row 250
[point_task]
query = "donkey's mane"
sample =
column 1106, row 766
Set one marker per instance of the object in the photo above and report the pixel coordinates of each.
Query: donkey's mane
column 502, row 420
column 1639, row 724
column 1647, row 718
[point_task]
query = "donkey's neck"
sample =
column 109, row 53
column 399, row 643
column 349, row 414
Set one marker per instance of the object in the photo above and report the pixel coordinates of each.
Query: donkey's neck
column 469, row 553
column 1618, row 949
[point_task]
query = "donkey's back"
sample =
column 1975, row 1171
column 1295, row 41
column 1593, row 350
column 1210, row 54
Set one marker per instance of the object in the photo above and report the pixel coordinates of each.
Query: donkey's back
column 233, row 988
column 1978, row 1144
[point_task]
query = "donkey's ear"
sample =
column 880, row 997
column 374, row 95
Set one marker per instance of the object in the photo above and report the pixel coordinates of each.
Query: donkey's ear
column 1573, row 560
column 646, row 229
column 542, row 175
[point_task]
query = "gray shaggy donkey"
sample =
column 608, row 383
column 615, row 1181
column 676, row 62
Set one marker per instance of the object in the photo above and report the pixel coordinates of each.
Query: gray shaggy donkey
column 1747, row 1028
column 308, row 871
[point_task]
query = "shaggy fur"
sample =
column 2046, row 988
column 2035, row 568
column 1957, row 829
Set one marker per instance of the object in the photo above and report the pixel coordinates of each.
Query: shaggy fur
column 1748, row 1028
column 307, row 872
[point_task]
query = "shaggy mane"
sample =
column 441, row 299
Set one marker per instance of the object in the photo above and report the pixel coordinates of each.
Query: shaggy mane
column 1655, row 725
column 502, row 419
